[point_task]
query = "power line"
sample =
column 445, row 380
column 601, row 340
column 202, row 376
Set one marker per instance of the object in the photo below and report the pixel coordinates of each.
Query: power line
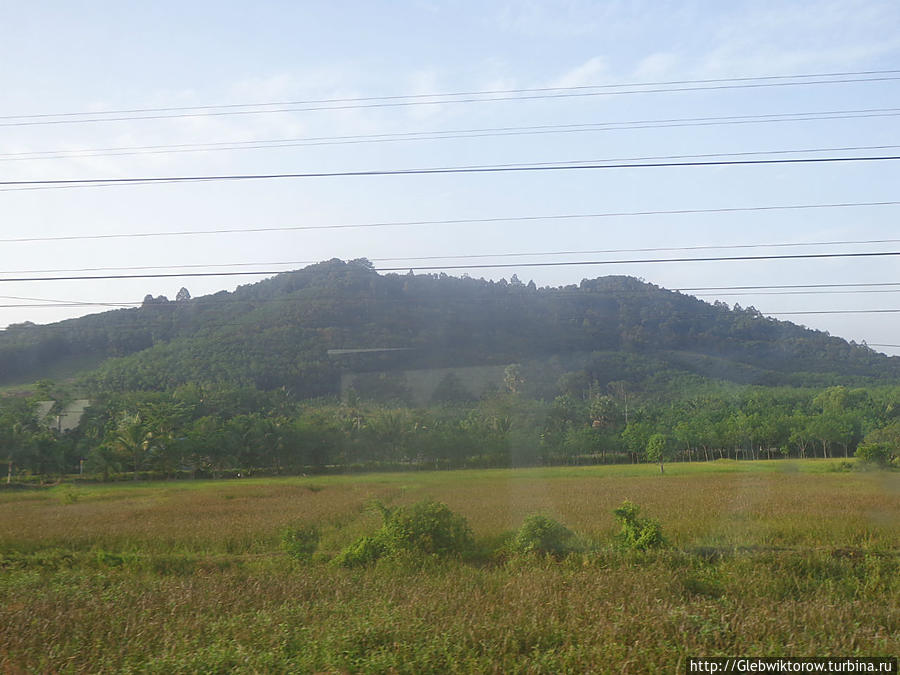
column 838, row 311
column 448, row 98
column 446, row 134
column 78, row 303
column 811, row 292
column 533, row 254
column 738, row 288
column 556, row 263
column 207, row 300
column 463, row 221
column 104, row 182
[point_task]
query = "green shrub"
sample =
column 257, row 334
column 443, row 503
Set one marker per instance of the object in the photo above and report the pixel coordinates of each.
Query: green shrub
column 638, row 533
column 363, row 551
column 425, row 528
column 428, row 527
column 880, row 454
column 300, row 542
column 543, row 536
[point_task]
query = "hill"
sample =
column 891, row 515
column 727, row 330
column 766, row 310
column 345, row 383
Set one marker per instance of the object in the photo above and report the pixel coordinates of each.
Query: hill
column 279, row 332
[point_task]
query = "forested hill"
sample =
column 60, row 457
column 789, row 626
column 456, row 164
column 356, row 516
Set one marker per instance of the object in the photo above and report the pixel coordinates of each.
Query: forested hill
column 278, row 332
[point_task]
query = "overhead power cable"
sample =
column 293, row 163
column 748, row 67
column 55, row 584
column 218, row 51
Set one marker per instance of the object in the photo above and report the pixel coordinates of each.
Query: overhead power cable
column 425, row 268
column 417, row 259
column 522, row 168
column 458, row 221
column 780, row 286
column 310, row 105
column 207, row 300
column 838, row 311
column 262, row 144
column 855, row 291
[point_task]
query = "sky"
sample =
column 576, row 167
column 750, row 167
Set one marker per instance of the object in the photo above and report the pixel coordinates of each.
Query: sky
column 96, row 57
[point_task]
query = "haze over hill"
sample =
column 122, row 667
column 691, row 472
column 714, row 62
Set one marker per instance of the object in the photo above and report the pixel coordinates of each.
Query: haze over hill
column 278, row 333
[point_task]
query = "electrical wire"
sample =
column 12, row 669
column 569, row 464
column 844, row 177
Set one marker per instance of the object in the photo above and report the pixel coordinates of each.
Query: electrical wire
column 13, row 185
column 488, row 265
column 262, row 144
column 81, row 303
column 462, row 221
column 705, row 247
column 838, row 311
column 135, row 114
column 207, row 299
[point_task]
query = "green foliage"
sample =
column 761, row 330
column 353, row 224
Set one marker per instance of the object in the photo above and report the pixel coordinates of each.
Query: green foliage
column 363, row 551
column 276, row 333
column 300, row 542
column 656, row 449
column 427, row 528
column 543, row 536
column 881, row 446
column 638, row 534
column 879, row 454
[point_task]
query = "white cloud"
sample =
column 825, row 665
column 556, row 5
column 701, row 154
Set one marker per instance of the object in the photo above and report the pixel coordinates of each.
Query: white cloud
column 658, row 66
column 785, row 38
column 558, row 18
column 592, row 71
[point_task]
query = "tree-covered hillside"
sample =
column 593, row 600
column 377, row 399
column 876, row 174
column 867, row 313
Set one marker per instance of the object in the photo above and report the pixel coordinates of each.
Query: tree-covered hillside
column 278, row 333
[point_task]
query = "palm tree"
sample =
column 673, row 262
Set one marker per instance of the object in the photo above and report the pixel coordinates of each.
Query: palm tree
column 133, row 439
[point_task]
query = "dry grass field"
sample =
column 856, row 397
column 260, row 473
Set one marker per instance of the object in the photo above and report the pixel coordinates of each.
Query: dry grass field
column 765, row 558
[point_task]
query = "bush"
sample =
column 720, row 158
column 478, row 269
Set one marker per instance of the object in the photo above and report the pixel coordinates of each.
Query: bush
column 300, row 542
column 638, row 533
column 543, row 536
column 880, row 454
column 363, row 551
column 425, row 528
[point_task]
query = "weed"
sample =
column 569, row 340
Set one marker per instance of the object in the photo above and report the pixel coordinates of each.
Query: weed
column 638, row 534
column 428, row 527
column 300, row 542
column 543, row 536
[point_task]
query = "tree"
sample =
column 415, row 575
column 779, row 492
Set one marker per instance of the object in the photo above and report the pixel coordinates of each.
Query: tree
column 880, row 454
column 133, row 440
column 183, row 295
column 17, row 430
column 512, row 378
column 657, row 446
column 881, row 446
column 104, row 458
column 636, row 436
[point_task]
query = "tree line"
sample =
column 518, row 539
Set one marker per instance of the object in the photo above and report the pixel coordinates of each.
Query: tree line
column 219, row 430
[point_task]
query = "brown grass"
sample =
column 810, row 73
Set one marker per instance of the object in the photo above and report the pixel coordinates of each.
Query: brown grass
column 199, row 584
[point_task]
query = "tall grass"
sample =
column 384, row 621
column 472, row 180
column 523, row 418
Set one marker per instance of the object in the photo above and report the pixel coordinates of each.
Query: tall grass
column 190, row 578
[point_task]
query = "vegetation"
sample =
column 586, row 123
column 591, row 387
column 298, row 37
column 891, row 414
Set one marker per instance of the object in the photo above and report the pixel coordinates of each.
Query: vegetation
column 612, row 370
column 216, row 431
column 543, row 536
column 776, row 558
column 277, row 333
column 300, row 542
column 424, row 529
column 638, row 534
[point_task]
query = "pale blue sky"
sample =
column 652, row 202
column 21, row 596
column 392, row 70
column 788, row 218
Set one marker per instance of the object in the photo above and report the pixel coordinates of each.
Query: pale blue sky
column 75, row 56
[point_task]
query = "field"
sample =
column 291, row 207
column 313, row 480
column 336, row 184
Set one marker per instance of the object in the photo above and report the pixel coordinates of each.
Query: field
column 765, row 558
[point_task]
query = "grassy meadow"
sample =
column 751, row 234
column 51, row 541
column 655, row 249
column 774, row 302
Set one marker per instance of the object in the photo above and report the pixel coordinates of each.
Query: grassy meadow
column 765, row 558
